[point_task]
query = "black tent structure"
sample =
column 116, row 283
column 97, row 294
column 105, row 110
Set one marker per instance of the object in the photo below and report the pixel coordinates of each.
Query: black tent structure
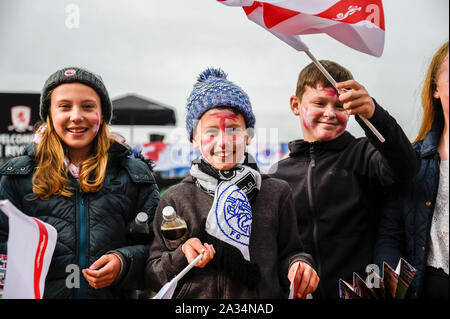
column 132, row 109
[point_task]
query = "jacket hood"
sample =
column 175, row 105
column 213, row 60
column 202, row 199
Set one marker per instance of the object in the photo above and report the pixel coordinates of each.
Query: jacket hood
column 301, row 147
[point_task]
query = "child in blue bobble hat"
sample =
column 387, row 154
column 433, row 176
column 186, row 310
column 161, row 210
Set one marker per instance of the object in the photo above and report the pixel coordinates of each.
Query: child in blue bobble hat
column 242, row 221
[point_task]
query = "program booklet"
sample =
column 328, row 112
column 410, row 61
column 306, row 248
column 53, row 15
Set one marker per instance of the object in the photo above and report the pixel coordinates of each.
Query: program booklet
column 393, row 285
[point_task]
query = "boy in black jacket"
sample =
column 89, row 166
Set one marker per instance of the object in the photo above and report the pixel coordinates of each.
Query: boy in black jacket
column 336, row 178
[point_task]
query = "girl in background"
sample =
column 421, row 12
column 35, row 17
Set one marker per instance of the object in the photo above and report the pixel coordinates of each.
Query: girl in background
column 415, row 218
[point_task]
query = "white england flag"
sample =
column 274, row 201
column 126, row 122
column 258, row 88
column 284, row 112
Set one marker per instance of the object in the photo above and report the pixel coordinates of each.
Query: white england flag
column 31, row 243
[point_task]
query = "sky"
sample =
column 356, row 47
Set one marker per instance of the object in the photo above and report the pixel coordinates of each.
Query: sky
column 156, row 49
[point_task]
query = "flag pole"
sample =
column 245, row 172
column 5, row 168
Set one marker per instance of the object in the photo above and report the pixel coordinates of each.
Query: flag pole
column 188, row 267
column 333, row 82
column 166, row 292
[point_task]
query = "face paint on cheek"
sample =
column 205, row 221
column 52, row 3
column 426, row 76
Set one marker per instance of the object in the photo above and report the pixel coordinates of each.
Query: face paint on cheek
column 97, row 124
column 306, row 118
column 239, row 144
column 343, row 120
column 206, row 144
column 310, row 115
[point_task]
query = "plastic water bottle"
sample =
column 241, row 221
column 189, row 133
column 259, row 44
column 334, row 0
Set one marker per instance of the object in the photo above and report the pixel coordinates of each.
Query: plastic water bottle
column 173, row 228
column 139, row 230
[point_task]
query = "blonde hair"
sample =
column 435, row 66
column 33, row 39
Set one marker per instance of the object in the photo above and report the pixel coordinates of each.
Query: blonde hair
column 431, row 105
column 51, row 174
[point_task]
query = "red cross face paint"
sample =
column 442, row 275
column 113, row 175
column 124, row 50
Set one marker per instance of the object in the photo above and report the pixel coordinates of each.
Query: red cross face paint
column 221, row 136
column 322, row 115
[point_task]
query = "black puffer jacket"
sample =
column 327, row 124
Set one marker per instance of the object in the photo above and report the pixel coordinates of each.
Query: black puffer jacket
column 88, row 224
column 337, row 186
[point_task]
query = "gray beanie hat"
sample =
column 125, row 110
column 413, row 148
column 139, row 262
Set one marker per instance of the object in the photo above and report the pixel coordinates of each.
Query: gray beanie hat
column 214, row 89
column 79, row 75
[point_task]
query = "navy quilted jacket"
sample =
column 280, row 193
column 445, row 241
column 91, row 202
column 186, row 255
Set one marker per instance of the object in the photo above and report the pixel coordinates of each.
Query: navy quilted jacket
column 408, row 211
column 88, row 224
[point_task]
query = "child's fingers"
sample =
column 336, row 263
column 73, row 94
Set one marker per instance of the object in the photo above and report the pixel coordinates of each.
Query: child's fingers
column 304, row 282
column 192, row 248
column 351, row 95
column 208, row 255
column 211, row 250
column 350, row 84
column 363, row 106
column 292, row 272
column 311, row 281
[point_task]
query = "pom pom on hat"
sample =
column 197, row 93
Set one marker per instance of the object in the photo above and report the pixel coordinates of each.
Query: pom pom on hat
column 214, row 89
column 211, row 72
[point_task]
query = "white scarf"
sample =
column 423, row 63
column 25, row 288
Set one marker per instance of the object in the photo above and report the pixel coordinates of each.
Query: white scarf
column 230, row 217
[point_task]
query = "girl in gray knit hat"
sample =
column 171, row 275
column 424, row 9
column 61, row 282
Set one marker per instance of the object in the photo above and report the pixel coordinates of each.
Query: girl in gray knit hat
column 241, row 221
column 79, row 179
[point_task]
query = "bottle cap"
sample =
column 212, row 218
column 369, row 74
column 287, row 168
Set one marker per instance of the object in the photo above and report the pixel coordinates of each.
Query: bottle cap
column 168, row 212
column 142, row 217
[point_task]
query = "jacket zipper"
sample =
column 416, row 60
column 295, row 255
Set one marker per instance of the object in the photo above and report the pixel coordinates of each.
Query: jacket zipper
column 82, row 242
column 312, row 164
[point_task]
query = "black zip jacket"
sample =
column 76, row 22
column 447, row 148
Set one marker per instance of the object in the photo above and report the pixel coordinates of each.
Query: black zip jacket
column 337, row 186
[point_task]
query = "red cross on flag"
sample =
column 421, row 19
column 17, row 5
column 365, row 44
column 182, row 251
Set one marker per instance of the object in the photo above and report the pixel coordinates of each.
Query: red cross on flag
column 31, row 244
column 358, row 24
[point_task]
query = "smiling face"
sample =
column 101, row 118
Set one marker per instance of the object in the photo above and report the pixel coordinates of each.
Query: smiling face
column 222, row 137
column 321, row 113
column 76, row 114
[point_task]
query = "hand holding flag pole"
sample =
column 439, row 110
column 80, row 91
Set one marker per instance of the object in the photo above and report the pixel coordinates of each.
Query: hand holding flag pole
column 166, row 292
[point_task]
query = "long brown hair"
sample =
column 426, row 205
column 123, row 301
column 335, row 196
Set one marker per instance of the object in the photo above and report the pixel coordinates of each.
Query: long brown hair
column 51, row 174
column 431, row 105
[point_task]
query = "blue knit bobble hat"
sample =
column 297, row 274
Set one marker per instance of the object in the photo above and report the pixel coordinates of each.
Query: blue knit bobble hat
column 214, row 89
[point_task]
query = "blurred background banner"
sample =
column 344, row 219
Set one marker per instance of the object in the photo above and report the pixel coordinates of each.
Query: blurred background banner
column 174, row 159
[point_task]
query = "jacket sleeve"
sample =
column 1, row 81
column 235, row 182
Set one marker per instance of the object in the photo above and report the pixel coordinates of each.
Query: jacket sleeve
column 134, row 256
column 289, row 243
column 390, row 244
column 394, row 160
